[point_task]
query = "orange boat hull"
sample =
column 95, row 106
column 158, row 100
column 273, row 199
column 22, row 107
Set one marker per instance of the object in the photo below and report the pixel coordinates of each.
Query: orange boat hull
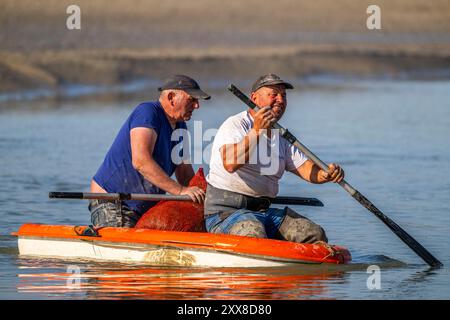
column 155, row 247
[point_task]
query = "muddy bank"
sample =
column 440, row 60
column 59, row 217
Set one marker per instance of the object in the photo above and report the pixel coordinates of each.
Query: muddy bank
column 39, row 25
column 127, row 40
column 59, row 68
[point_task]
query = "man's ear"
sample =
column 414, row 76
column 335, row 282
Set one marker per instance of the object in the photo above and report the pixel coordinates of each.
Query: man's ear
column 171, row 97
column 253, row 96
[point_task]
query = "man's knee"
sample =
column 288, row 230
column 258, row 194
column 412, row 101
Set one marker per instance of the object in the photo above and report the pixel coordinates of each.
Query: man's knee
column 248, row 228
column 297, row 228
column 105, row 219
column 108, row 214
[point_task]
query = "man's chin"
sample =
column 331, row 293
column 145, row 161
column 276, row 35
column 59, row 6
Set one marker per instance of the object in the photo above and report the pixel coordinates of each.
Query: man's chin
column 278, row 117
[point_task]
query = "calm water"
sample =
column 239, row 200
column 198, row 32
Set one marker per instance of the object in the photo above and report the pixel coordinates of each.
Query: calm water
column 392, row 138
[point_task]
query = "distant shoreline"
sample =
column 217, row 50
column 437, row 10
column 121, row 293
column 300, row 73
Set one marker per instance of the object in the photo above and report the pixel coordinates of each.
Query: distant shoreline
column 52, row 70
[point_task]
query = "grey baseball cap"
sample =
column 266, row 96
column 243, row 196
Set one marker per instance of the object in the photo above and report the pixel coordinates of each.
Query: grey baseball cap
column 270, row 79
column 185, row 83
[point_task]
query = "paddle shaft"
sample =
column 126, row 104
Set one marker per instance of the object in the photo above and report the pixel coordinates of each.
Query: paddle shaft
column 158, row 197
column 116, row 196
column 402, row 234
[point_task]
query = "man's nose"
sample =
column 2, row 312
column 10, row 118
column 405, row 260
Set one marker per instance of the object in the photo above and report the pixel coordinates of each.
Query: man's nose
column 281, row 99
column 196, row 105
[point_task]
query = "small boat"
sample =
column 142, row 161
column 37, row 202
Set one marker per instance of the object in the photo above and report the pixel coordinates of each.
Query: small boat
column 171, row 248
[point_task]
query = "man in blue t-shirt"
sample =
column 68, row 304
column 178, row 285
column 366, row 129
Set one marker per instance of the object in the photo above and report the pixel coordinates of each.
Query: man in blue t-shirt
column 140, row 158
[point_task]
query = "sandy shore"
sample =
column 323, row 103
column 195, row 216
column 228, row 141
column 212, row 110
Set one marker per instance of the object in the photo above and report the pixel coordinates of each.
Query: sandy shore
column 128, row 40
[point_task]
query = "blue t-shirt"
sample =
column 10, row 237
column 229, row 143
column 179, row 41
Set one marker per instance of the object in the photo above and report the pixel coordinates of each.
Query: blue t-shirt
column 117, row 174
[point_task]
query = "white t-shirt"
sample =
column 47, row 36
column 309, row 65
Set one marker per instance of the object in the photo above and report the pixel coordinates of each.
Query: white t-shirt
column 267, row 163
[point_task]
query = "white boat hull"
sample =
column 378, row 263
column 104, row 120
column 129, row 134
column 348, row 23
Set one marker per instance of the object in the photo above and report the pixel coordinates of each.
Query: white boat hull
column 132, row 253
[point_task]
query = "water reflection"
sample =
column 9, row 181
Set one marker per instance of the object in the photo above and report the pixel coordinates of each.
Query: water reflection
column 101, row 281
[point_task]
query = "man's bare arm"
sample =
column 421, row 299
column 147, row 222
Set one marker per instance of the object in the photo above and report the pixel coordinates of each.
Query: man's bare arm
column 142, row 144
column 312, row 173
column 236, row 155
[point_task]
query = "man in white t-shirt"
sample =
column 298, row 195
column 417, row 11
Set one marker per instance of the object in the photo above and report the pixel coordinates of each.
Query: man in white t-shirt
column 247, row 161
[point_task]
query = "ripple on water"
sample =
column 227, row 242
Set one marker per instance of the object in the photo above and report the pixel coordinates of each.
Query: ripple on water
column 380, row 260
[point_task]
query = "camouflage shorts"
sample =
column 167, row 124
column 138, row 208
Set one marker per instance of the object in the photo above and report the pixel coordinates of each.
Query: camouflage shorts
column 112, row 214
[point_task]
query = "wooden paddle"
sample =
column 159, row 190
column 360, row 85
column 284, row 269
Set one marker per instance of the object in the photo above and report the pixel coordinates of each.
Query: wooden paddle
column 402, row 234
column 158, row 197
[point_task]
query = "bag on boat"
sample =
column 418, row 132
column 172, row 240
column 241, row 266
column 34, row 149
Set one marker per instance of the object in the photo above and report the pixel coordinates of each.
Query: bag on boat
column 177, row 215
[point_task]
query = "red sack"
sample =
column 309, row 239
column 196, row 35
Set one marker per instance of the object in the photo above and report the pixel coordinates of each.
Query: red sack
column 177, row 215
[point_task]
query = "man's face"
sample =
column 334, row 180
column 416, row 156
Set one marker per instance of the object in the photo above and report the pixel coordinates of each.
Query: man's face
column 184, row 105
column 272, row 96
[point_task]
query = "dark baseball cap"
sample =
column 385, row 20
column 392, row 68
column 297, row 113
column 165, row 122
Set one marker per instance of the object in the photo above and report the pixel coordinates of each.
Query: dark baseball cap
column 185, row 83
column 268, row 80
